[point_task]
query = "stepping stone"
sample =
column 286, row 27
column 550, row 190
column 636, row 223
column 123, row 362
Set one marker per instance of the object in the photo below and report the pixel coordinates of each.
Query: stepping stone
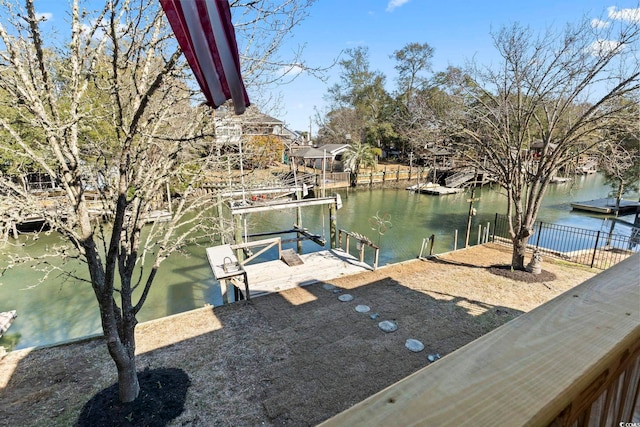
column 374, row 316
column 414, row 345
column 345, row 297
column 328, row 287
column 362, row 308
column 433, row 357
column 388, row 326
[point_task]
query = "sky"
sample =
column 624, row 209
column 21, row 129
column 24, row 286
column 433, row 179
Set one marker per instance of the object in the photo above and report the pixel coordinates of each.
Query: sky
column 458, row 30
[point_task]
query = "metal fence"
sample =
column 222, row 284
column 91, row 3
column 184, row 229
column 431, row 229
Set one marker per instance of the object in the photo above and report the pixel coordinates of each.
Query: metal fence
column 597, row 249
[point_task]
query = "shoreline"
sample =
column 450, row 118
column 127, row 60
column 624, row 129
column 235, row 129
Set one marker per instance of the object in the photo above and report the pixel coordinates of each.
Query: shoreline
column 297, row 357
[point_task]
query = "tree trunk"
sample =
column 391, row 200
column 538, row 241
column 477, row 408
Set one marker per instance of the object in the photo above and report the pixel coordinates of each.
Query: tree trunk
column 128, row 386
column 519, row 252
column 619, row 197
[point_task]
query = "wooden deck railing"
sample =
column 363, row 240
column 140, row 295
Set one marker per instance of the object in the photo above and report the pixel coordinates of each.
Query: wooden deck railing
column 266, row 244
column 362, row 242
column 574, row 360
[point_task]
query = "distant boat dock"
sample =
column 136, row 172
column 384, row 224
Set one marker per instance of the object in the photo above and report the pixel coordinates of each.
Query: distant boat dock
column 607, row 206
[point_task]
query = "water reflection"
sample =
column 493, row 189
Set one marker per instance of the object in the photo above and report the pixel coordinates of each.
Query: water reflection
column 60, row 309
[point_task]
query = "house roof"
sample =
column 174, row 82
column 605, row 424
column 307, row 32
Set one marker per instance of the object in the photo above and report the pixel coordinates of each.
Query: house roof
column 334, row 148
column 309, row 153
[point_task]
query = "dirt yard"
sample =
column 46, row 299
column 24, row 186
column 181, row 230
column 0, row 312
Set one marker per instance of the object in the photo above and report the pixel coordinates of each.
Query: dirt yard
column 294, row 358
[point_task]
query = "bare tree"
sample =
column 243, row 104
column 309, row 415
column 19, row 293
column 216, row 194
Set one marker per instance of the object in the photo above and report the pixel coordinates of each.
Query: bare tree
column 116, row 126
column 559, row 89
column 620, row 154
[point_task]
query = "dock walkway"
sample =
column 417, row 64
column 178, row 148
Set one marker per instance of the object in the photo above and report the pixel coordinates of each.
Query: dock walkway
column 439, row 190
column 607, row 206
column 275, row 276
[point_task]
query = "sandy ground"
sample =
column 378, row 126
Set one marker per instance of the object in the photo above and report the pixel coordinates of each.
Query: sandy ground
column 294, row 358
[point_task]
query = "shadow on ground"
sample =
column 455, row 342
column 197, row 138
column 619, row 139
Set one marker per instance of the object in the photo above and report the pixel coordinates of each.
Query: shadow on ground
column 294, row 358
column 162, row 396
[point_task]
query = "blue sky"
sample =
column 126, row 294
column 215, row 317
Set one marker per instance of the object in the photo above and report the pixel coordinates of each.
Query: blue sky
column 457, row 30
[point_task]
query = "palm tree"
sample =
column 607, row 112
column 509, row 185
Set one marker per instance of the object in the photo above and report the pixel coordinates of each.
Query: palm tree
column 359, row 155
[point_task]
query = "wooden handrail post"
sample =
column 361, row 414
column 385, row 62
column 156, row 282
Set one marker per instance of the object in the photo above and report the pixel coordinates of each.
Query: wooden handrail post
column 238, row 237
column 299, row 220
column 375, row 260
column 433, row 239
column 333, row 224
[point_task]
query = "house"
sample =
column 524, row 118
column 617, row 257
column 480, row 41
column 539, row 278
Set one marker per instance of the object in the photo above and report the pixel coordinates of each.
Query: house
column 330, row 154
column 233, row 130
column 537, row 148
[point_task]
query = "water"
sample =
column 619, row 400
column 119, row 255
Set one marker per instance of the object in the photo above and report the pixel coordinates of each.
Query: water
column 61, row 309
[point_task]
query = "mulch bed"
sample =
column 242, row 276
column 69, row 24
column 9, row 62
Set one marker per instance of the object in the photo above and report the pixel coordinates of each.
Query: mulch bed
column 162, row 396
column 521, row 275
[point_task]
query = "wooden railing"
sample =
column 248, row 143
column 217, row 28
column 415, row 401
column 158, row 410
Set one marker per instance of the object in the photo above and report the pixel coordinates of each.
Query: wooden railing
column 362, row 242
column 266, row 244
column 574, row 360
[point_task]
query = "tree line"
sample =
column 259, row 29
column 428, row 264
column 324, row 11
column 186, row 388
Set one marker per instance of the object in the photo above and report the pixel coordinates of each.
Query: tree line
column 548, row 99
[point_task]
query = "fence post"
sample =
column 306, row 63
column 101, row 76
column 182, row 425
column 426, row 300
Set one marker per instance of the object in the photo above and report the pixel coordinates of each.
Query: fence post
column 433, row 240
column 495, row 225
column 595, row 249
column 539, row 234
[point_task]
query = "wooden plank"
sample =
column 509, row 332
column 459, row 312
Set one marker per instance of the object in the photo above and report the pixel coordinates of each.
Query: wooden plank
column 526, row 372
column 291, row 258
column 236, row 210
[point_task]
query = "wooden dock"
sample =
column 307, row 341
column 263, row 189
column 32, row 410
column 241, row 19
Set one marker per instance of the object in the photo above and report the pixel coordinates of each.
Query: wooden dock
column 275, row 276
column 607, row 206
column 439, row 190
column 6, row 319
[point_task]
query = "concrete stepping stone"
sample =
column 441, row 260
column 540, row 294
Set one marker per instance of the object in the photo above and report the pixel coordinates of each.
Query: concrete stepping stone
column 388, row 326
column 414, row 345
column 433, row 357
column 345, row 297
column 328, row 287
column 361, row 308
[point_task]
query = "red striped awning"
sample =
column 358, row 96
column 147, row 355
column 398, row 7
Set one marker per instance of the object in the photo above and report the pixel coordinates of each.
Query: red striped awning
column 205, row 33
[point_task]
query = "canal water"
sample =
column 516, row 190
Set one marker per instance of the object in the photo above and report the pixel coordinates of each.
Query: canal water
column 60, row 308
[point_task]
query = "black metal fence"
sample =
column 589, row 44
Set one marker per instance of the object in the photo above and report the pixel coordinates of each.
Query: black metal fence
column 597, row 249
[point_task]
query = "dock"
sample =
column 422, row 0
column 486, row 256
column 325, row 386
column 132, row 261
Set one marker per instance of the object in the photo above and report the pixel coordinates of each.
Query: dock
column 607, row 206
column 439, row 190
column 275, row 276
column 6, row 319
